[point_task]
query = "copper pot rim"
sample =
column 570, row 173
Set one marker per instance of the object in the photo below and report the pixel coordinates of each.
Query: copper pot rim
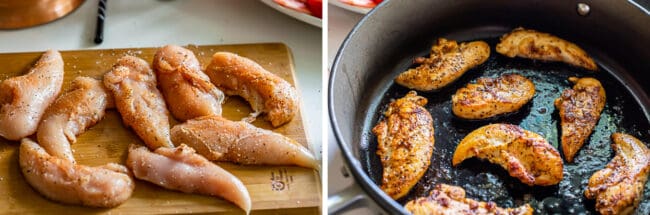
column 14, row 16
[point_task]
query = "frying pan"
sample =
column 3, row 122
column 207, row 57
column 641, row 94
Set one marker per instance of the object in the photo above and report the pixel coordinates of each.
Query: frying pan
column 384, row 43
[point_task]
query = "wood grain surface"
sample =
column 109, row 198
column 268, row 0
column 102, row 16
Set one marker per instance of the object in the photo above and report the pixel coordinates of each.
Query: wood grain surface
column 273, row 189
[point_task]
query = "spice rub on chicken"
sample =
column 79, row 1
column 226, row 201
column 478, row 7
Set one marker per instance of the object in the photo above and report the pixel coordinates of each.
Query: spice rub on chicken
column 133, row 85
column 580, row 110
column 489, row 97
column 63, row 181
column 81, row 107
column 447, row 62
column 405, row 144
column 220, row 139
column 187, row 90
column 526, row 155
column 448, row 199
column 536, row 45
column 618, row 188
column 266, row 92
column 23, row 99
column 182, row 169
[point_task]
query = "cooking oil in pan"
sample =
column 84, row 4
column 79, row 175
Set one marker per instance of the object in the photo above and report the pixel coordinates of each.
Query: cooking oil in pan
column 489, row 182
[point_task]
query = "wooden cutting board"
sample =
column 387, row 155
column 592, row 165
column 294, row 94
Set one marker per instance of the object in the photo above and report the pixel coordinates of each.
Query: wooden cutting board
column 273, row 189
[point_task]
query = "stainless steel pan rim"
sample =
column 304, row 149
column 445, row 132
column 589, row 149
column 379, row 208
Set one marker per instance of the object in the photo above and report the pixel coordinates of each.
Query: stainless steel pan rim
column 379, row 197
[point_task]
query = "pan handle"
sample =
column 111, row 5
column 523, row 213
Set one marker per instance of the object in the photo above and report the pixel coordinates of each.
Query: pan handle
column 349, row 198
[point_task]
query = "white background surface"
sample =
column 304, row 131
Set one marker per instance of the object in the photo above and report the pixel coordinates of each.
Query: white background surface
column 151, row 23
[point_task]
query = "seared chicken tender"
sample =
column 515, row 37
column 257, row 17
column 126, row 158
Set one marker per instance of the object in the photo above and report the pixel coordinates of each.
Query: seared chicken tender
column 448, row 200
column 446, row 63
column 490, row 97
column 187, row 90
column 580, row 110
column 618, row 188
column 527, row 156
column 220, row 139
column 405, row 140
column 70, row 115
column 23, row 99
column 265, row 91
column 542, row 46
column 182, row 169
column 133, row 85
column 63, row 181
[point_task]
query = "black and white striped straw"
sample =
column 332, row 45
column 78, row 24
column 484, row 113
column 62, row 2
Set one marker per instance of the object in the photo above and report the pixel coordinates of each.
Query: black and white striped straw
column 101, row 15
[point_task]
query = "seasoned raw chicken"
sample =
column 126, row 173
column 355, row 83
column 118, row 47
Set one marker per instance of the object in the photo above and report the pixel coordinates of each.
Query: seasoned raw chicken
column 182, row 169
column 265, row 91
column 618, row 188
column 542, row 46
column 187, row 90
column 527, row 156
column 71, row 114
column 63, row 181
column 220, row 139
column 490, row 97
column 133, row 85
column 450, row 200
column 405, row 144
column 580, row 110
column 23, row 99
column 446, row 63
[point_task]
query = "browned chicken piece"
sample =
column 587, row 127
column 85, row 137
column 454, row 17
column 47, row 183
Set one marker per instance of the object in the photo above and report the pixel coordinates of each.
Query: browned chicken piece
column 446, row 63
column 451, row 200
column 63, row 181
column 220, row 139
column 543, row 46
column 490, row 97
column 70, row 115
column 23, row 99
column 527, row 156
column 187, row 90
column 580, row 110
column 405, row 139
column 182, row 169
column 618, row 188
column 265, row 91
column 133, row 85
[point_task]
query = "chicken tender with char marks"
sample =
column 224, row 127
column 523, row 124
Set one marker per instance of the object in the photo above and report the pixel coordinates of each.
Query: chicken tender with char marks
column 543, row 46
column 446, row 63
column 489, row 97
column 448, row 200
column 527, row 156
column 580, row 110
column 618, row 188
column 405, row 139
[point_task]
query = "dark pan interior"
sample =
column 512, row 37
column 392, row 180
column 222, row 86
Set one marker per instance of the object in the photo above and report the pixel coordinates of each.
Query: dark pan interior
column 489, row 182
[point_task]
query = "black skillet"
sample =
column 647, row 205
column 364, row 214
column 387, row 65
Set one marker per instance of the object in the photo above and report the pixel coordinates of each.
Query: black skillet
column 615, row 33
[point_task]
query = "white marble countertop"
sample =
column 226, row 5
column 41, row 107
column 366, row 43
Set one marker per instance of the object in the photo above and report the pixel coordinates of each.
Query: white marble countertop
column 151, row 23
